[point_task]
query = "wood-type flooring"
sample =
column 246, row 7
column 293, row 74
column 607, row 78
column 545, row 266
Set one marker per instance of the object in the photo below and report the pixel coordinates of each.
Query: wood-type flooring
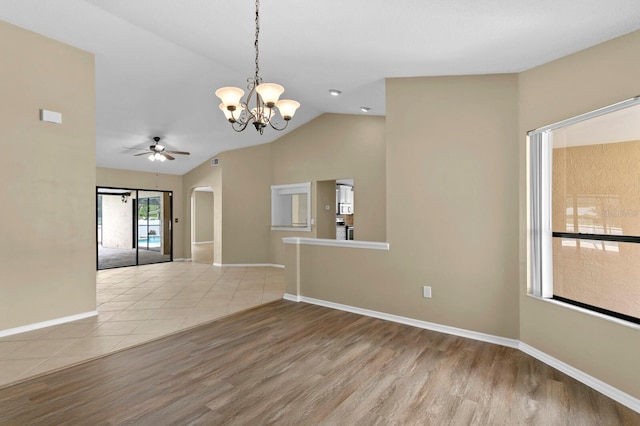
column 292, row 363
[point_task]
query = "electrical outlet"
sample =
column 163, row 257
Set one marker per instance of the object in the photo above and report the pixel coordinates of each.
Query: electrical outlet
column 426, row 291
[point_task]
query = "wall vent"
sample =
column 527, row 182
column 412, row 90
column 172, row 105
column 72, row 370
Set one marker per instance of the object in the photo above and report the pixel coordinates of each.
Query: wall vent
column 215, row 162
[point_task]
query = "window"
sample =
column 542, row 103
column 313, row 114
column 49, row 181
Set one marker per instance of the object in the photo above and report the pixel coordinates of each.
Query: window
column 584, row 211
column 291, row 207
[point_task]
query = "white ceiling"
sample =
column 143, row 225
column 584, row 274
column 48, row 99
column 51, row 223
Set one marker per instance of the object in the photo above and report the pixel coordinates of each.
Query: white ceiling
column 158, row 62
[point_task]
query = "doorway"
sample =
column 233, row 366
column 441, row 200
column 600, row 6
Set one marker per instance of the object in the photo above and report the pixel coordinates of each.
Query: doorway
column 133, row 227
column 202, row 225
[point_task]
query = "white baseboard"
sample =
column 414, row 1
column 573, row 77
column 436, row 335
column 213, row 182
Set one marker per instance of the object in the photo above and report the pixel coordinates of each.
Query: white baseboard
column 49, row 323
column 182, row 260
column 246, row 265
column 597, row 384
column 512, row 343
column 600, row 386
column 291, row 297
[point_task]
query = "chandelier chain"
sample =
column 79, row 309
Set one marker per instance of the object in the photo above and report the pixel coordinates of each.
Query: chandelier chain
column 265, row 96
column 257, row 34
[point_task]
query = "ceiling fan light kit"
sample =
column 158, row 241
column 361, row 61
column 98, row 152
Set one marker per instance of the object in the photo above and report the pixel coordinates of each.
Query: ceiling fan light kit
column 262, row 101
column 157, row 156
column 157, row 152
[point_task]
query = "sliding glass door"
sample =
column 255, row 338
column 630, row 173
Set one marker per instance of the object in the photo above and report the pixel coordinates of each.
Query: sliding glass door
column 149, row 224
column 153, row 225
column 133, row 227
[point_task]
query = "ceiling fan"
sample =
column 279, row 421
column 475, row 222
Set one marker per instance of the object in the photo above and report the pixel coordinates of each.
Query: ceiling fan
column 158, row 152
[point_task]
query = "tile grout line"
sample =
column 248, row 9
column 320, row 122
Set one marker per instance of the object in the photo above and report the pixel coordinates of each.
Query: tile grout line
column 114, row 284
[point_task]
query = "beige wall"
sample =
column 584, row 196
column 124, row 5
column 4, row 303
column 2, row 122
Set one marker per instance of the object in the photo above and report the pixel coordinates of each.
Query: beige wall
column 203, row 212
column 118, row 178
column 243, row 176
column 246, row 206
column 452, row 198
column 335, row 146
column 326, row 218
column 452, row 208
column 204, row 176
column 573, row 85
column 47, row 220
column 330, row 147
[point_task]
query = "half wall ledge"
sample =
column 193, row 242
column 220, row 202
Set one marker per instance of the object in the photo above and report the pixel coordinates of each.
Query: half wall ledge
column 372, row 245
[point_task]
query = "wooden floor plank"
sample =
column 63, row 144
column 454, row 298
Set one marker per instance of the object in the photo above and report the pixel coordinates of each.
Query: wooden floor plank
column 297, row 364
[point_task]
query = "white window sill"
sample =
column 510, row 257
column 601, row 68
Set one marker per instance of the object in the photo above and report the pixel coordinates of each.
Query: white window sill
column 292, row 228
column 588, row 312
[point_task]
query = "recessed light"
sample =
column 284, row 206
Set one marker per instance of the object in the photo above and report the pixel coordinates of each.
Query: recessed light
column 365, row 109
column 335, row 92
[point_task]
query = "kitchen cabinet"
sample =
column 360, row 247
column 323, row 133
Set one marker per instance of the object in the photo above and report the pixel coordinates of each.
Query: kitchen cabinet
column 344, row 195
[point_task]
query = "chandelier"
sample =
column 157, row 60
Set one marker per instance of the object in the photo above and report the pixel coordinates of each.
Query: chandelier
column 261, row 104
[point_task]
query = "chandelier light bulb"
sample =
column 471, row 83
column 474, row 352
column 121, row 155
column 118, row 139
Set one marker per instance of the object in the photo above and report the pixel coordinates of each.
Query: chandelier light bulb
column 230, row 96
column 287, row 108
column 269, row 92
column 231, row 115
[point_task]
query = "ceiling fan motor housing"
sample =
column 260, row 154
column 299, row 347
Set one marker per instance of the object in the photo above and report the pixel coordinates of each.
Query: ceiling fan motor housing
column 156, row 150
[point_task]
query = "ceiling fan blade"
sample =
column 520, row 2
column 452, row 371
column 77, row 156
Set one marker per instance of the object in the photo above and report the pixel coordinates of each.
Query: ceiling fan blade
column 167, row 156
column 137, row 149
column 179, row 152
column 142, row 153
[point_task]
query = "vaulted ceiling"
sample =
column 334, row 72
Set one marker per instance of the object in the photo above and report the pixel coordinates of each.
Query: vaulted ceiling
column 159, row 62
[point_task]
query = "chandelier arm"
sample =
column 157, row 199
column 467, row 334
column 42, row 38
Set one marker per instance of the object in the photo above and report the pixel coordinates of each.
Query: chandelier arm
column 239, row 114
column 240, row 127
column 259, row 106
column 273, row 126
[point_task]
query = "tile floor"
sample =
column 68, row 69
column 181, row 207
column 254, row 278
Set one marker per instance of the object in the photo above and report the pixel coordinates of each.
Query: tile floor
column 138, row 304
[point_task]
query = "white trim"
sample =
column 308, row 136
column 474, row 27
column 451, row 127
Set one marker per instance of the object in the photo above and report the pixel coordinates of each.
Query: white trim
column 291, row 188
column 48, row 323
column 596, row 384
column 373, row 245
column 618, row 321
column 247, row 265
column 291, row 228
column 201, row 242
column 188, row 259
column 285, row 218
column 588, row 115
column 512, row 343
column 291, row 297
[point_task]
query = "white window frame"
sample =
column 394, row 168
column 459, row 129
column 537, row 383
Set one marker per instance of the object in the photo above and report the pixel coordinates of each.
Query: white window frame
column 280, row 208
column 539, row 181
